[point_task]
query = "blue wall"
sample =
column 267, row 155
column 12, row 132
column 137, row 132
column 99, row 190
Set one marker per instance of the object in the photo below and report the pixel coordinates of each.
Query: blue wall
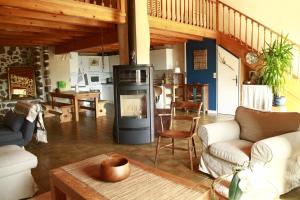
column 203, row 76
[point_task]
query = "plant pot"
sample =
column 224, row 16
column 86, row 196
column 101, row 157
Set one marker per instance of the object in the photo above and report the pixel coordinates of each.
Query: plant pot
column 279, row 101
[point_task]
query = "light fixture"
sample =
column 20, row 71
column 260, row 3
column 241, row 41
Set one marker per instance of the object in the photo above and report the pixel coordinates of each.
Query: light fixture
column 177, row 70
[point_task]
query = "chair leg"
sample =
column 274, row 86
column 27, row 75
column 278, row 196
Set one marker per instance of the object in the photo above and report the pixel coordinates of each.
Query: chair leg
column 194, row 146
column 190, row 154
column 173, row 146
column 157, row 150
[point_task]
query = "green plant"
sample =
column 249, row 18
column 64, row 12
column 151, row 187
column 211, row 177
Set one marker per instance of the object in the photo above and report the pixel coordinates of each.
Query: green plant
column 277, row 57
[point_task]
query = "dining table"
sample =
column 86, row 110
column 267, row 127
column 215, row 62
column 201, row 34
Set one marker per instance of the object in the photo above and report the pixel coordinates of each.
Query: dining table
column 75, row 97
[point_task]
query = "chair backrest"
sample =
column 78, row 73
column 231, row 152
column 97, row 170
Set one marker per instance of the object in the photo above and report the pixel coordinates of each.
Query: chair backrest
column 186, row 106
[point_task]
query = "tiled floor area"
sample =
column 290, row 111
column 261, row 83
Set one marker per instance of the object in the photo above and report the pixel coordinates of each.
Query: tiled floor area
column 71, row 142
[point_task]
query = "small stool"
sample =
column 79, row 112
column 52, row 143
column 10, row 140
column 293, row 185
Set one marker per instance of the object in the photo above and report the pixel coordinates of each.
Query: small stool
column 63, row 112
column 47, row 107
column 102, row 107
column 15, row 173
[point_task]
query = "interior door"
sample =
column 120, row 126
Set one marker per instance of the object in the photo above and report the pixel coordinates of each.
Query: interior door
column 227, row 81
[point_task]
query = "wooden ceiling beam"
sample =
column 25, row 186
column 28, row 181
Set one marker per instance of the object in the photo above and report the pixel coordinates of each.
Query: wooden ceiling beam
column 16, row 12
column 10, row 27
column 70, row 8
column 167, row 39
column 44, row 24
column 83, row 43
column 39, row 38
column 106, row 48
column 162, row 42
column 167, row 33
column 23, row 42
column 33, row 34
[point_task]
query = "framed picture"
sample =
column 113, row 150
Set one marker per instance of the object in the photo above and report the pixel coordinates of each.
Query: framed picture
column 200, row 59
column 94, row 62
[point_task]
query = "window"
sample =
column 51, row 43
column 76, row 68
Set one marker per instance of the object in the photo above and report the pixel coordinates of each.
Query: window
column 200, row 59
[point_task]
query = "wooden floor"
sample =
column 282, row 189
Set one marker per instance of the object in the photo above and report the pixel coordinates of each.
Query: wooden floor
column 71, row 142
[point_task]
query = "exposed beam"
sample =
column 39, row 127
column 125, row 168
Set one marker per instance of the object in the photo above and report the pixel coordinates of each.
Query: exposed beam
column 44, row 24
column 70, row 8
column 96, row 40
column 33, row 34
column 106, row 48
column 16, row 12
column 22, row 42
column 167, row 39
column 10, row 27
column 162, row 42
column 168, row 33
column 168, row 25
column 38, row 38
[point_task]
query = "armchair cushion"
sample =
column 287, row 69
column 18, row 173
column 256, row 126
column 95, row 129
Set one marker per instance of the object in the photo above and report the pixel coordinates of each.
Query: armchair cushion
column 13, row 121
column 218, row 132
column 257, row 125
column 234, row 151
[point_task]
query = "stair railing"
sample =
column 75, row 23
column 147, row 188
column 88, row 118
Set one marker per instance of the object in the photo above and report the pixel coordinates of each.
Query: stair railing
column 116, row 4
column 250, row 32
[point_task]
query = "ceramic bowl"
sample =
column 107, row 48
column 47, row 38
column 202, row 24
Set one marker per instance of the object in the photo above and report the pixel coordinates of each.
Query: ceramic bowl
column 114, row 169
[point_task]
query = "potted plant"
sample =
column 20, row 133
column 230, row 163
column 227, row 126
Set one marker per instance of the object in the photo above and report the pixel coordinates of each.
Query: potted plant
column 277, row 58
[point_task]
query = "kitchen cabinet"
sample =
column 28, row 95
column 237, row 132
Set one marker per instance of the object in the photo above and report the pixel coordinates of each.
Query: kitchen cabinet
column 107, row 92
column 162, row 59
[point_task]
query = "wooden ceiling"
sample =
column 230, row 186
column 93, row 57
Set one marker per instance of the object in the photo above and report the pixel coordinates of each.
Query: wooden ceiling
column 69, row 26
column 54, row 22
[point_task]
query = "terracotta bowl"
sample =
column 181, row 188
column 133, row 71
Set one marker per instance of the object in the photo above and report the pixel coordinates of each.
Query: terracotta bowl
column 114, row 169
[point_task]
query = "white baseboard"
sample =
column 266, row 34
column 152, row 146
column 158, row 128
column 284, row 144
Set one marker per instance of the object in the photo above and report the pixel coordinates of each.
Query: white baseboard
column 212, row 111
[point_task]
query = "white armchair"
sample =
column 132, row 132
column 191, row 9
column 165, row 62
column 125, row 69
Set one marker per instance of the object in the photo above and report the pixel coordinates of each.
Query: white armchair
column 224, row 146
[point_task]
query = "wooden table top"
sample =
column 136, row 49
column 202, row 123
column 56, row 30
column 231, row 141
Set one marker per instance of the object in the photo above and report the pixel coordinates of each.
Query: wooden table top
column 71, row 93
column 72, row 180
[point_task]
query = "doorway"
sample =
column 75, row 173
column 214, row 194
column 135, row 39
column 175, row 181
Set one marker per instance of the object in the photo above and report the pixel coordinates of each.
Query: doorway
column 228, row 83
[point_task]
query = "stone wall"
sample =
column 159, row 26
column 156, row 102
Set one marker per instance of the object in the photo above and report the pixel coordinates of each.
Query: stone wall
column 36, row 57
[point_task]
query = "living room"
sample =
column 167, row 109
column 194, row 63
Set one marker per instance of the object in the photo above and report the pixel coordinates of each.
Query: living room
column 89, row 111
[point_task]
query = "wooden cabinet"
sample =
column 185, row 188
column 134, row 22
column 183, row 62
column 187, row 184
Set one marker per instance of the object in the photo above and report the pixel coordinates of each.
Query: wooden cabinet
column 162, row 59
column 197, row 93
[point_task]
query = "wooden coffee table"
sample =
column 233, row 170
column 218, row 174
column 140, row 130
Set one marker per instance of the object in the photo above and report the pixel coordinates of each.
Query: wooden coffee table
column 80, row 181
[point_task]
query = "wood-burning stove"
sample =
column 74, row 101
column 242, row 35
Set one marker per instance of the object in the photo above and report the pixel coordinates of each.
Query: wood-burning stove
column 133, row 95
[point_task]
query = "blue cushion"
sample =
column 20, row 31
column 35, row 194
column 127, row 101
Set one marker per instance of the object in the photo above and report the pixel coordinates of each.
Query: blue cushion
column 6, row 134
column 13, row 121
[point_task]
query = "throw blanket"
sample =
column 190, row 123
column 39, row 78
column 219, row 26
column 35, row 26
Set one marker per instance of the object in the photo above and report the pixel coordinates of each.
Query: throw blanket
column 32, row 112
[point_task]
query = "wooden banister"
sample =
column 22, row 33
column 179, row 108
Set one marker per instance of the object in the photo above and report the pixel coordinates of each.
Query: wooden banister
column 246, row 29
column 115, row 4
column 199, row 13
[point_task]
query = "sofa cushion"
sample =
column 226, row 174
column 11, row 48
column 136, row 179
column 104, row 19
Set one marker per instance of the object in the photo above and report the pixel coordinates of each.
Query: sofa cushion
column 14, row 159
column 13, row 121
column 257, row 125
column 234, row 151
column 6, row 134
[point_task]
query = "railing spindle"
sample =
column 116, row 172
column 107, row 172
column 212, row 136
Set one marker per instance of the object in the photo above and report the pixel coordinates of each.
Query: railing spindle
column 223, row 21
column 264, row 37
column 252, row 35
column 228, row 23
column 258, row 36
column 246, row 30
column 240, row 37
column 234, row 23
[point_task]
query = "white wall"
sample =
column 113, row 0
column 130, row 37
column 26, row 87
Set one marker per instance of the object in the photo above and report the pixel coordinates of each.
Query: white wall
column 59, row 66
column 281, row 16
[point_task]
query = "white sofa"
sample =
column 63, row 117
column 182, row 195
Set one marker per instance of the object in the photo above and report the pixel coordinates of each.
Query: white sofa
column 224, row 147
column 16, row 181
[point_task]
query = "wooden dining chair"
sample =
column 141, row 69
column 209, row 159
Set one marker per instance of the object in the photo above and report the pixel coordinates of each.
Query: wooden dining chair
column 169, row 132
